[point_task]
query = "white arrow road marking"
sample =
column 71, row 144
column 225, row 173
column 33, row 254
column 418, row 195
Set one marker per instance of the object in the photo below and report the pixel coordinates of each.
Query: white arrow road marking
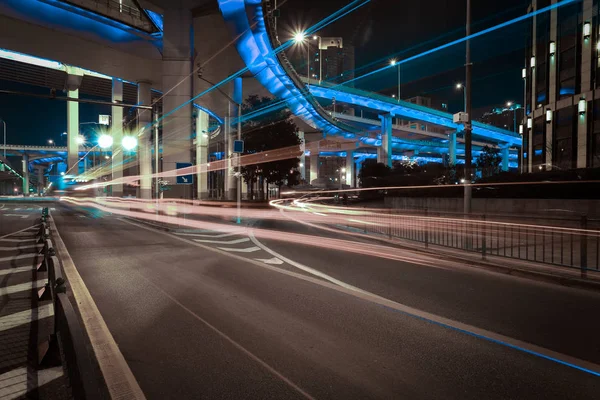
column 274, row 260
column 17, row 215
column 236, row 241
column 234, row 250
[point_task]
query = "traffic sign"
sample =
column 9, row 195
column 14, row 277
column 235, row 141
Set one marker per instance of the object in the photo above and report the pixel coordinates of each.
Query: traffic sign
column 238, row 146
column 184, row 179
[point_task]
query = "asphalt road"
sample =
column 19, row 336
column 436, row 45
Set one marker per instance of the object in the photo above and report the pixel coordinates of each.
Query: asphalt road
column 224, row 317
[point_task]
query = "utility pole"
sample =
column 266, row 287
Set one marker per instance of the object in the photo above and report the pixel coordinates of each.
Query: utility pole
column 468, row 109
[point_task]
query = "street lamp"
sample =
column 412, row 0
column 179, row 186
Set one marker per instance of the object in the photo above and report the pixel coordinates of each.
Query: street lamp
column 129, row 143
column 512, row 106
column 394, row 62
column 50, row 141
column 299, row 38
column 460, row 86
column 105, row 141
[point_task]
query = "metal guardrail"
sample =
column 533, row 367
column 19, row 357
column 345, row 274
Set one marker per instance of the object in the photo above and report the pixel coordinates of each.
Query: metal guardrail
column 565, row 242
column 68, row 338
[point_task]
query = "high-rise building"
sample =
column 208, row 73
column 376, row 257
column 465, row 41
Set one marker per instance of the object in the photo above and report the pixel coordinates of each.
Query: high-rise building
column 333, row 60
column 561, row 77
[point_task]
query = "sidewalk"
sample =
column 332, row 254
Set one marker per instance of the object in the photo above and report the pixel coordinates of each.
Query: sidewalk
column 25, row 322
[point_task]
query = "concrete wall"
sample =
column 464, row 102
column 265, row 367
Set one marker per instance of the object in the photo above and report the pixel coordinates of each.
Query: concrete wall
column 557, row 207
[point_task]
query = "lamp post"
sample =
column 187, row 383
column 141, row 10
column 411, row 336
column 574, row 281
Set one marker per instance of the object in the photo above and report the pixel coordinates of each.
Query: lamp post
column 513, row 107
column 392, row 63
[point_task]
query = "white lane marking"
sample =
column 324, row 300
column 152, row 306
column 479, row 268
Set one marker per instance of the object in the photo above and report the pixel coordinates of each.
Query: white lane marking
column 18, row 240
column 303, row 267
column 13, row 384
column 273, row 261
column 214, row 235
column 235, row 250
column 434, row 319
column 209, row 233
column 22, row 216
column 235, row 344
column 119, row 379
column 25, row 317
column 32, row 246
column 22, row 287
column 8, row 271
column 19, row 257
column 22, row 230
column 235, row 241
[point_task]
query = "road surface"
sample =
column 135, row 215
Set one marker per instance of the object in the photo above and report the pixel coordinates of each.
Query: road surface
column 229, row 316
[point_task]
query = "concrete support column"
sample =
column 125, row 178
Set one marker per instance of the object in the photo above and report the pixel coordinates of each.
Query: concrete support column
column 504, row 152
column 230, row 181
column 350, row 171
column 117, row 135
column 529, row 150
column 41, row 182
column 384, row 152
column 72, row 133
column 586, row 48
column 552, row 93
column 452, row 148
column 358, row 166
column 314, row 166
column 302, row 156
column 533, row 99
column 202, row 154
column 177, row 88
column 25, row 174
column 143, row 136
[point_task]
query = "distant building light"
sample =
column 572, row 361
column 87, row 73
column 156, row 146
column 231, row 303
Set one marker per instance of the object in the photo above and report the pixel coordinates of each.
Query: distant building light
column 582, row 107
column 587, row 30
column 552, row 48
column 532, row 62
column 548, row 115
column 529, row 123
column 521, row 129
column 524, row 73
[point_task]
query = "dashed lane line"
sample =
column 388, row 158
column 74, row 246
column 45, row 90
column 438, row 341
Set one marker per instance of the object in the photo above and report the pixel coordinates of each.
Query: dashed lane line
column 236, row 250
column 214, row 236
column 22, row 287
column 235, row 241
column 7, row 271
column 32, row 246
column 19, row 257
column 14, row 384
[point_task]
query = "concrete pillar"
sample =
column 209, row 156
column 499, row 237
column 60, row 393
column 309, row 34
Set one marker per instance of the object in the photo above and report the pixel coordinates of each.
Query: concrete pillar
column 144, row 133
column 358, row 163
column 230, row 181
column 350, row 171
column 202, row 155
column 25, row 174
column 452, row 148
column 72, row 133
column 529, row 133
column 234, row 180
column 41, row 183
column 117, row 135
column 384, row 152
column 314, row 166
column 586, row 49
column 302, row 156
column 177, row 88
column 533, row 99
column 504, row 152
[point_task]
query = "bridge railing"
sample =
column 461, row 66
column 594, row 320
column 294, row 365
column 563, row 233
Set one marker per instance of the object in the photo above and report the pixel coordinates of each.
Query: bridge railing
column 68, row 341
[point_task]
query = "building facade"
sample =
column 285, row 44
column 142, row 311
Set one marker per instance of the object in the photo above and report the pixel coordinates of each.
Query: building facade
column 508, row 118
column 561, row 128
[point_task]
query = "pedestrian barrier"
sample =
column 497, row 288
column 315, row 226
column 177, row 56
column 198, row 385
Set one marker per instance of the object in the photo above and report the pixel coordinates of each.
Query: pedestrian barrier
column 565, row 242
column 68, row 340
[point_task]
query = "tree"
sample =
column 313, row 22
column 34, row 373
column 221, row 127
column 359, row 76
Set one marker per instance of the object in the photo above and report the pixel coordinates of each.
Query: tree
column 264, row 132
column 489, row 161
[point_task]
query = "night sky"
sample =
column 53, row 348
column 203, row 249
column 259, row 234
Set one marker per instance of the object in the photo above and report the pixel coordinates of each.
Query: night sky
column 379, row 30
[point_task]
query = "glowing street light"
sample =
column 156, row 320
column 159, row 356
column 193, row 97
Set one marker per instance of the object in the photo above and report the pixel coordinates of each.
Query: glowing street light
column 80, row 139
column 129, row 142
column 105, row 141
column 299, row 37
column 50, row 141
column 459, row 86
